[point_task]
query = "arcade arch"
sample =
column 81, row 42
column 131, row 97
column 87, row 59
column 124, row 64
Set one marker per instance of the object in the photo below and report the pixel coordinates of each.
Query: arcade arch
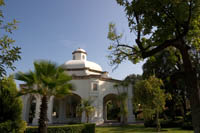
column 64, row 109
column 111, row 108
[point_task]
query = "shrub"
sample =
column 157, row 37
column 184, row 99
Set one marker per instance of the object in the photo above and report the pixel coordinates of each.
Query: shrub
column 11, row 107
column 150, row 123
column 89, row 128
column 77, row 128
column 187, row 125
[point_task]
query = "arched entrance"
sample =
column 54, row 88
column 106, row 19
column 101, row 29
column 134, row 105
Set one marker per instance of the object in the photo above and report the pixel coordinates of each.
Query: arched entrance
column 110, row 108
column 64, row 109
column 31, row 107
column 72, row 102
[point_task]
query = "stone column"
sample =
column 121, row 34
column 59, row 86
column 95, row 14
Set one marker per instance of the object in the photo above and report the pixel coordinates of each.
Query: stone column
column 50, row 110
column 131, row 117
column 99, row 108
column 105, row 113
column 83, row 117
column 26, row 107
column 37, row 110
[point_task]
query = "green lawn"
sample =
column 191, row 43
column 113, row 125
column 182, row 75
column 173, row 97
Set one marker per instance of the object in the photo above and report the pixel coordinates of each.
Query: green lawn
column 138, row 128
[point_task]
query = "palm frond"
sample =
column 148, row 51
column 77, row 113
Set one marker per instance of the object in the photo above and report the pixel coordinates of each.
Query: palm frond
column 47, row 79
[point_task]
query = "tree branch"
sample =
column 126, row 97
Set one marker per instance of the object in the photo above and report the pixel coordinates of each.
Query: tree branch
column 138, row 32
column 167, row 43
column 127, row 46
column 123, row 45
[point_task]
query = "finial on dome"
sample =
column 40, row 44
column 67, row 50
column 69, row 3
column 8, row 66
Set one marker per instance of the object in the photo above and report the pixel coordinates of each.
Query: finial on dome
column 79, row 54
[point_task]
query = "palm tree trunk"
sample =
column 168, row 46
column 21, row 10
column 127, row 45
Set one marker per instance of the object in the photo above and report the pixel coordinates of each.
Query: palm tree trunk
column 43, row 116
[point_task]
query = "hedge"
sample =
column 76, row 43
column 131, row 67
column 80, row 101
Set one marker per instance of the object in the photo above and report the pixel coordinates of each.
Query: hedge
column 187, row 126
column 164, row 123
column 76, row 128
column 13, row 126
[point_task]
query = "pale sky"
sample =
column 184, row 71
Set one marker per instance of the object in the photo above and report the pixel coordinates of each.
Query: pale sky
column 53, row 29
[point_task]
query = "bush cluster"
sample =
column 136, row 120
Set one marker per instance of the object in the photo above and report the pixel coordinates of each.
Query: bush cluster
column 77, row 128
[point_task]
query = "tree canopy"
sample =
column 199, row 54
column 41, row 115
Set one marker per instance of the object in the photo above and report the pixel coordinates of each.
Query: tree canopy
column 9, row 52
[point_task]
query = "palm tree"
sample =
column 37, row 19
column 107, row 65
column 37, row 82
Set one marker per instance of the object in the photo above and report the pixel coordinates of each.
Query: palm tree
column 86, row 107
column 47, row 79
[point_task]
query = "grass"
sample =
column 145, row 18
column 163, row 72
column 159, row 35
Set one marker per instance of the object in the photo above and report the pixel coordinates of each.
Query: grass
column 138, row 129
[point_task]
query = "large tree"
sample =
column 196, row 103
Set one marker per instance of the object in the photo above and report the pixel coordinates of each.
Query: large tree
column 46, row 80
column 8, row 52
column 159, row 24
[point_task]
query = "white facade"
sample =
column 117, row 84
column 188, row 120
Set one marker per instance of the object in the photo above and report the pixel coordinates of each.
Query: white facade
column 90, row 82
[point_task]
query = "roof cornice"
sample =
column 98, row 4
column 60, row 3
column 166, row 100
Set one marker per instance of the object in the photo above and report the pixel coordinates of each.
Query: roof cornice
column 74, row 77
column 86, row 68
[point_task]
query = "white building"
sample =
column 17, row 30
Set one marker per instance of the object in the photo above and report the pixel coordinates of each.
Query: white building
column 90, row 81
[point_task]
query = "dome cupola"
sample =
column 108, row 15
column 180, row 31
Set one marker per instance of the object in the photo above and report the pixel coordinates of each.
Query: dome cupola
column 80, row 54
column 79, row 65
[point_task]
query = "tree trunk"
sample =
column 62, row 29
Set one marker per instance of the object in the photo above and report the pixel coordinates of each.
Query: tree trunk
column 43, row 116
column 193, row 89
column 157, row 121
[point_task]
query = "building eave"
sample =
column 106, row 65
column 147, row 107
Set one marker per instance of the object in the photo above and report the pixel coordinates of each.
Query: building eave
column 74, row 77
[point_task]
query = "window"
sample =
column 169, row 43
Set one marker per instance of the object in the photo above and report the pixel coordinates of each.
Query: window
column 95, row 87
column 73, row 57
column 83, row 57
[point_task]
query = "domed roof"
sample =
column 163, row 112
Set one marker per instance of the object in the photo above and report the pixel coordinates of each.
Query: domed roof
column 79, row 64
column 80, row 61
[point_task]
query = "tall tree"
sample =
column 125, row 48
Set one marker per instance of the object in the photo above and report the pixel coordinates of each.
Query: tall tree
column 148, row 94
column 8, row 52
column 47, row 80
column 159, row 24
